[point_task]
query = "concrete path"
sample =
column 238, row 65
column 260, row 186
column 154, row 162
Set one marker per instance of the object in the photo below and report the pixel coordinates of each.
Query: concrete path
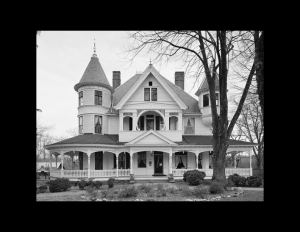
column 253, row 189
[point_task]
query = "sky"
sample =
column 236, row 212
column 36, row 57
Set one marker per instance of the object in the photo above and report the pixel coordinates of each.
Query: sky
column 62, row 57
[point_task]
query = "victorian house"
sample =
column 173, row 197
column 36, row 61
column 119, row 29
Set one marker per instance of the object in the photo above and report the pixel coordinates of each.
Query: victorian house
column 145, row 128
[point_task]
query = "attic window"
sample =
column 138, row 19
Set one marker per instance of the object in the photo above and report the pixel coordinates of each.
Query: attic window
column 150, row 83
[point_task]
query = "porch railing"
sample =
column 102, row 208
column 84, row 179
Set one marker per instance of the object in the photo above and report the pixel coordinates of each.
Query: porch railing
column 209, row 172
column 75, row 173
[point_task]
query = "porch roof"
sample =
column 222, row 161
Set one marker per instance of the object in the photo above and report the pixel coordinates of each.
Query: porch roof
column 114, row 140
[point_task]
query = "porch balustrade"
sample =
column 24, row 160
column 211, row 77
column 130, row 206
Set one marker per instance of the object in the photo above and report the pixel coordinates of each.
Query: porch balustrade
column 75, row 173
column 95, row 173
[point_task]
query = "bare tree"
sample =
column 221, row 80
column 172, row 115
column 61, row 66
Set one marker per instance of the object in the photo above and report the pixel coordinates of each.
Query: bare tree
column 195, row 49
column 73, row 131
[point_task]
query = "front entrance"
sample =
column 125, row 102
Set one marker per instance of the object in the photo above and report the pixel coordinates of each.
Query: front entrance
column 158, row 163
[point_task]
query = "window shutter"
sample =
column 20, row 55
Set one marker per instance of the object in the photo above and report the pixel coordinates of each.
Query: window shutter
column 157, row 122
column 142, row 122
column 127, row 160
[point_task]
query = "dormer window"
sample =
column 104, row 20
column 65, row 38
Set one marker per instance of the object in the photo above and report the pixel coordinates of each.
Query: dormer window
column 205, row 100
column 147, row 94
column 98, row 97
column 81, row 98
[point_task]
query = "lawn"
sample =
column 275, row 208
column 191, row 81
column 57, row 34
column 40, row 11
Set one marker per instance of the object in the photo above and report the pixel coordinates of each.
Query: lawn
column 180, row 192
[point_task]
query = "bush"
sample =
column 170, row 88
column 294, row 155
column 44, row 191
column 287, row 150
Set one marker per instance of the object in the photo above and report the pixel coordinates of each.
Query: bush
column 111, row 182
column 253, row 181
column 97, row 184
column 201, row 192
column 186, row 191
column 162, row 193
column 128, row 192
column 172, row 190
column 92, row 192
column 43, row 188
column 194, row 177
column 160, row 187
column 229, row 183
column 206, row 182
column 216, row 187
column 146, row 188
column 238, row 180
column 82, row 184
column 151, row 193
column 59, row 185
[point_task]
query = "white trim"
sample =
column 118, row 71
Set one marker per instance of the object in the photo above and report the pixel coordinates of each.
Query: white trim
column 155, row 73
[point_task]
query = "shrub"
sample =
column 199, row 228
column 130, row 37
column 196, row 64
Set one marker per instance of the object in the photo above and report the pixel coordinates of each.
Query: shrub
column 238, row 180
column 92, row 192
column 186, row 191
column 97, row 184
column 111, row 182
column 82, row 184
column 201, row 192
column 43, row 188
column 128, row 192
column 151, row 193
column 59, row 185
column 229, row 183
column 216, row 187
column 194, row 177
column 254, row 181
column 145, row 187
column 160, row 187
column 162, row 193
column 206, row 182
column 172, row 190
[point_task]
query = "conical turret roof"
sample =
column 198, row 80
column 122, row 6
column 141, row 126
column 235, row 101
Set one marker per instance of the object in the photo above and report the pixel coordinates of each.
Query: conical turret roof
column 204, row 86
column 93, row 75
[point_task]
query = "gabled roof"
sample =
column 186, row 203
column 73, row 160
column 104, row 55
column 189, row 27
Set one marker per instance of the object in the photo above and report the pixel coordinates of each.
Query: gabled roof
column 204, row 86
column 93, row 75
column 151, row 137
column 188, row 100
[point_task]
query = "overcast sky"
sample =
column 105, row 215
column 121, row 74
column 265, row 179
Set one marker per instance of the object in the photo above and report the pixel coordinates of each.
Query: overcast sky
column 62, row 57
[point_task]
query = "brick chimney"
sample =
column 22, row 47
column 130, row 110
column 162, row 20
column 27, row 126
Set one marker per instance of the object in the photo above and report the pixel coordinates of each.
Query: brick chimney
column 179, row 79
column 116, row 79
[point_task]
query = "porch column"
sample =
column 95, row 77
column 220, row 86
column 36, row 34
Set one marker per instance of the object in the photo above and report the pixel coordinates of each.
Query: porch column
column 131, row 169
column 117, row 163
column 250, row 153
column 55, row 160
column 62, row 163
column 72, row 157
column 166, row 119
column 197, row 154
column 89, row 163
column 179, row 122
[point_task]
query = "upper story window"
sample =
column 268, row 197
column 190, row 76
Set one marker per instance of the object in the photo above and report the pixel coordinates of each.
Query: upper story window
column 142, row 159
column 98, row 97
column 150, row 83
column 205, row 100
column 153, row 94
column 98, row 124
column 81, row 98
column 80, row 125
column 189, row 126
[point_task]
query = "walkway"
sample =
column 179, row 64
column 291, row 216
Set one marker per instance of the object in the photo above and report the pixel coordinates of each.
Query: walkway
column 253, row 189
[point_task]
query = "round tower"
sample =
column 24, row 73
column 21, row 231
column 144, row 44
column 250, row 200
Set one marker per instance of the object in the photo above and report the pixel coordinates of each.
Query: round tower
column 94, row 98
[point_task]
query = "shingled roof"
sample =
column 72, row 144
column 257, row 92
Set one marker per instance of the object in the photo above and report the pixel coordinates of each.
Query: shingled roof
column 114, row 140
column 188, row 100
column 204, row 86
column 93, row 75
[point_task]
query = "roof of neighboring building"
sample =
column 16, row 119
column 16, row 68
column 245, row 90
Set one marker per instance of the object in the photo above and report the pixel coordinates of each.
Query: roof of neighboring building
column 204, row 86
column 114, row 140
column 188, row 100
column 93, row 74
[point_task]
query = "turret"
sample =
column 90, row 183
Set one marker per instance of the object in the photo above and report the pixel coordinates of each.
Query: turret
column 94, row 98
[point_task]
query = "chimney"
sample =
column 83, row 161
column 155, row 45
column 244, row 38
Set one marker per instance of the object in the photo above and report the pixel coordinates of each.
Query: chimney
column 116, row 79
column 179, row 79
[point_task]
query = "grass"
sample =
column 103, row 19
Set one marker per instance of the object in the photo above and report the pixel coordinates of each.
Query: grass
column 179, row 191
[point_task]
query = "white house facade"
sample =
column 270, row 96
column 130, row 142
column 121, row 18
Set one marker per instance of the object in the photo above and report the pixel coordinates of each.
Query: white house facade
column 146, row 128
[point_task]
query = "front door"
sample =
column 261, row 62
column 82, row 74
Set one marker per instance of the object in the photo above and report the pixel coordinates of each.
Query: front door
column 158, row 163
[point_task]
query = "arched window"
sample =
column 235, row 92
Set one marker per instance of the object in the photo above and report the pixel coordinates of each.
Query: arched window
column 173, row 123
column 127, row 123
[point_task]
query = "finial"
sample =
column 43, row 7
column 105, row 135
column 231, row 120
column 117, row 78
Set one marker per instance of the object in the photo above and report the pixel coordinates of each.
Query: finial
column 94, row 55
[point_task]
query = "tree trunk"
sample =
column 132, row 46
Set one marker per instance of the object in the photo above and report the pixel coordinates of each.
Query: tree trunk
column 219, row 163
column 259, row 66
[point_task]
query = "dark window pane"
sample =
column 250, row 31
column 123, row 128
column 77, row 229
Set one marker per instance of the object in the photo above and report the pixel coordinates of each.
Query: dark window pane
column 205, row 100
column 154, row 94
column 147, row 94
column 217, row 99
column 142, row 123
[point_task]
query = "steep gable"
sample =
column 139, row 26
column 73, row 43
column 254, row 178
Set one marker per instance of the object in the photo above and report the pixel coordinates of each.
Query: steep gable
column 151, row 137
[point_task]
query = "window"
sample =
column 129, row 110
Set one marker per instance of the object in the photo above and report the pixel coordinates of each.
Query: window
column 98, row 124
column 80, row 125
column 150, row 83
column 81, row 98
column 181, row 160
column 98, row 97
column 127, row 123
column 189, row 126
column 99, row 160
column 142, row 159
column 140, row 124
column 217, row 99
column 173, row 123
column 205, row 100
column 147, row 94
column 153, row 94
column 122, row 161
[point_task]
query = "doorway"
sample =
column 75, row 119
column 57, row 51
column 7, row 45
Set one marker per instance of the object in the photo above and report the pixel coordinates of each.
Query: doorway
column 158, row 163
